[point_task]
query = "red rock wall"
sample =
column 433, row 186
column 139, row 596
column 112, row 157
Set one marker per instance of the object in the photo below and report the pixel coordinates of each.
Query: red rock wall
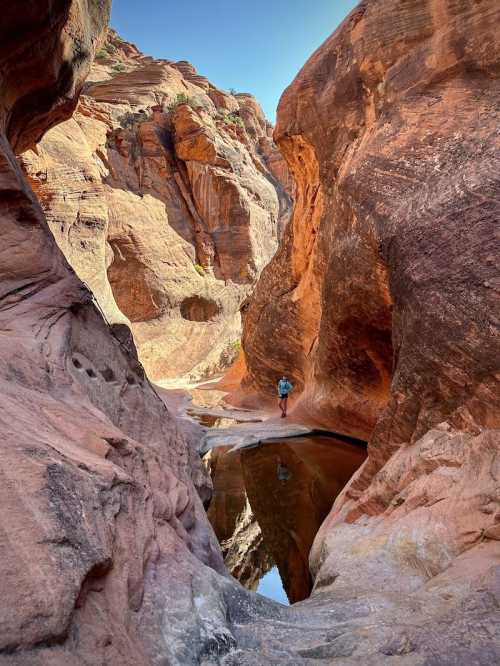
column 382, row 302
column 159, row 205
column 384, row 291
column 99, row 485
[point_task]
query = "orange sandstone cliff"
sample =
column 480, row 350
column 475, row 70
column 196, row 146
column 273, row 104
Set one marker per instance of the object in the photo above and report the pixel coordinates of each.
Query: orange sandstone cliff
column 384, row 292
column 383, row 302
column 164, row 194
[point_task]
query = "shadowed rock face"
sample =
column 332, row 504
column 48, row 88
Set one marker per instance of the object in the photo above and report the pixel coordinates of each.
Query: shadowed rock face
column 163, row 190
column 98, row 483
column 383, row 300
column 35, row 98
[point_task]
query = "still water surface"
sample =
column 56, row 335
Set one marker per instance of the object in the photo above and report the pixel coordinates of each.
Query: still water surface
column 269, row 503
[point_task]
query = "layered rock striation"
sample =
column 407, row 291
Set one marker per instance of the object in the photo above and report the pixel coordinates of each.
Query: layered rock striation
column 167, row 196
column 106, row 553
column 100, row 486
column 383, row 305
column 387, row 273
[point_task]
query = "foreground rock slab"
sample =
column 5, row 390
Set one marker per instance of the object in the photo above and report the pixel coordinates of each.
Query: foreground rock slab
column 250, row 434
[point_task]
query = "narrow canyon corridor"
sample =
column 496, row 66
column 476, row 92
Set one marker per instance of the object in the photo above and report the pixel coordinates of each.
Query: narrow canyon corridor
column 167, row 254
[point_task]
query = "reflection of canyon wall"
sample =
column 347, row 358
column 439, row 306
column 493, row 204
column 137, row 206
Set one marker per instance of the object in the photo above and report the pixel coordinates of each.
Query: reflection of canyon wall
column 164, row 194
column 383, row 300
column 291, row 488
column 231, row 516
column 269, row 503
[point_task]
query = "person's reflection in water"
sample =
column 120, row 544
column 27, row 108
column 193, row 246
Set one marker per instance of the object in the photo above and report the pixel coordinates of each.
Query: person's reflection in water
column 282, row 472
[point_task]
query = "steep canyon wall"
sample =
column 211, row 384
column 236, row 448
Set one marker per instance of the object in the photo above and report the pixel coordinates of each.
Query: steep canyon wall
column 382, row 302
column 100, row 487
column 167, row 196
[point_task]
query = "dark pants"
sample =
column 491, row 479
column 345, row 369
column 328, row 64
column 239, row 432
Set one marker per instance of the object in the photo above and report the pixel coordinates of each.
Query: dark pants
column 283, row 402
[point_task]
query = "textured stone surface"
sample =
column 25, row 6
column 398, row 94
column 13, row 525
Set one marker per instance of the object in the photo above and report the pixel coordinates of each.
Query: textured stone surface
column 168, row 211
column 98, row 482
column 242, row 435
column 382, row 304
column 104, row 546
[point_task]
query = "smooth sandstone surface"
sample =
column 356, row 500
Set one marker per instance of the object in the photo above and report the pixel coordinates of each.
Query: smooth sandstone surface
column 167, row 210
column 384, row 292
column 383, row 305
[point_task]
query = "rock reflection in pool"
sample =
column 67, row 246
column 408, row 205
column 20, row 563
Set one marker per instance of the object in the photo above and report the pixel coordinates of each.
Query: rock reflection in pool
column 285, row 490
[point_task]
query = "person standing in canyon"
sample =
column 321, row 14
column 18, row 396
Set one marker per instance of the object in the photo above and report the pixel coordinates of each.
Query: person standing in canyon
column 284, row 389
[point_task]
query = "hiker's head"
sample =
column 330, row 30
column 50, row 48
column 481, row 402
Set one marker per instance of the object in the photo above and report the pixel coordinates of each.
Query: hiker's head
column 284, row 378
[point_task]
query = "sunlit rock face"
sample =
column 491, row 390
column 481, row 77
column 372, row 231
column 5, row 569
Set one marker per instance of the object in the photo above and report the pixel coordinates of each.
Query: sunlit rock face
column 383, row 303
column 162, row 191
column 388, row 272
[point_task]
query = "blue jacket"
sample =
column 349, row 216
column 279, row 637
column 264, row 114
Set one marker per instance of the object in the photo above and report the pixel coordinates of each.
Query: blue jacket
column 284, row 387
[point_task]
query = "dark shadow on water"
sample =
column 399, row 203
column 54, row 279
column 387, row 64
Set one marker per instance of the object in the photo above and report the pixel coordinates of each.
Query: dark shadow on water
column 269, row 503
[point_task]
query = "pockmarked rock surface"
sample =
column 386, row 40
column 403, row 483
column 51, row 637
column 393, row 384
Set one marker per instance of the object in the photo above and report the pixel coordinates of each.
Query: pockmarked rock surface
column 167, row 196
column 383, row 306
column 99, row 484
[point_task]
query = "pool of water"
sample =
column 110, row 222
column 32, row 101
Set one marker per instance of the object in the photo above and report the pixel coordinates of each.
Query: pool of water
column 268, row 505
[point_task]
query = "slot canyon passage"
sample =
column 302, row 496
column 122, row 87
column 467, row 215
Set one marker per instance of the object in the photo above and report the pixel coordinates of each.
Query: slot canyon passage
column 150, row 221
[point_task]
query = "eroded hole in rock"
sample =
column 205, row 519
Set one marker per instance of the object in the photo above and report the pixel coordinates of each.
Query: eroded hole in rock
column 108, row 375
column 131, row 380
column 76, row 363
column 269, row 503
column 198, row 308
column 91, row 373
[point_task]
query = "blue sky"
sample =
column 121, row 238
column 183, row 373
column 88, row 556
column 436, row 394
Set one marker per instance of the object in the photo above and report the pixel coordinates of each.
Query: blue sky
column 271, row 586
column 254, row 46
